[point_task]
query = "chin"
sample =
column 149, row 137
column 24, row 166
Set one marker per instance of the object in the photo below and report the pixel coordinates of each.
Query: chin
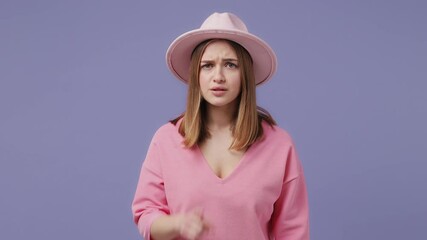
column 220, row 103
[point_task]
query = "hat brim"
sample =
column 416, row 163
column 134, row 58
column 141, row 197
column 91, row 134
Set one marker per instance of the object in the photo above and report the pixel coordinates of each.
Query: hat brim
column 178, row 55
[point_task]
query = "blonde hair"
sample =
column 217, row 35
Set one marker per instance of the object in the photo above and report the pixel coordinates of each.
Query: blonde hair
column 247, row 124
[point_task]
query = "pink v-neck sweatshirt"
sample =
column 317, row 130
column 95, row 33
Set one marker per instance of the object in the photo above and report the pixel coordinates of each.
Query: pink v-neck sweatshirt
column 264, row 197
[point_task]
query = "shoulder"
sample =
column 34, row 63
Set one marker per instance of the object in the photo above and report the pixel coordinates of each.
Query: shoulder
column 167, row 133
column 279, row 143
column 277, row 135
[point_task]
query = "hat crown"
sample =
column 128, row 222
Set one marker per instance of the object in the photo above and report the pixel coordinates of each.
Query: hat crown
column 224, row 21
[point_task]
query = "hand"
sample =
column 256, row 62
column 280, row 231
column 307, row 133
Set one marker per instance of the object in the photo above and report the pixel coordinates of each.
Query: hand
column 191, row 225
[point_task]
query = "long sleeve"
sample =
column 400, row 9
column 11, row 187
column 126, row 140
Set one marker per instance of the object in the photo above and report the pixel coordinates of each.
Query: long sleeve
column 150, row 200
column 291, row 212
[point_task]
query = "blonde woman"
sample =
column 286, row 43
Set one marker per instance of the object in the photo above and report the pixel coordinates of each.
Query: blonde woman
column 223, row 169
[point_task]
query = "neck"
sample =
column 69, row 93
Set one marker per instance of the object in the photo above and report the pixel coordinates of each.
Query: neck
column 220, row 118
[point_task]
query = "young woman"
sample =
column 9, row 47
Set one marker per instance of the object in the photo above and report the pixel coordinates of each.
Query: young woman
column 223, row 169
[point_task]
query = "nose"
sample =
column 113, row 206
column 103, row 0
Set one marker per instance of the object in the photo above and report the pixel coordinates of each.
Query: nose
column 218, row 75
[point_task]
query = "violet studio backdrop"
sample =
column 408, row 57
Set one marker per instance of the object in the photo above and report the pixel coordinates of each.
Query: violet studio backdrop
column 84, row 85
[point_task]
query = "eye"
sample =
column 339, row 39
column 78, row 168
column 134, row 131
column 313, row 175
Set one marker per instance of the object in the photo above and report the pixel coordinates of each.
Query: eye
column 231, row 65
column 206, row 66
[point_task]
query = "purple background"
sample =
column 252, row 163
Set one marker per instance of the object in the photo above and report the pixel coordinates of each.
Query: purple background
column 84, row 85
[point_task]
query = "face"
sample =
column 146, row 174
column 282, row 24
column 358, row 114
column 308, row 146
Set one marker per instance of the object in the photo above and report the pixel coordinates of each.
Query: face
column 219, row 75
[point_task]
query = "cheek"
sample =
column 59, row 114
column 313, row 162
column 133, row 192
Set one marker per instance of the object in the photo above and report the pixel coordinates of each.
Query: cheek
column 201, row 79
column 203, row 83
column 237, row 83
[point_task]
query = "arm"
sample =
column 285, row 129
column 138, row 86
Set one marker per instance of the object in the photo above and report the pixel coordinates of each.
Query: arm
column 164, row 227
column 290, row 219
column 190, row 226
column 150, row 200
column 151, row 211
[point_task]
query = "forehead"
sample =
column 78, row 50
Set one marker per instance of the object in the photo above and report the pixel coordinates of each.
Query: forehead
column 219, row 49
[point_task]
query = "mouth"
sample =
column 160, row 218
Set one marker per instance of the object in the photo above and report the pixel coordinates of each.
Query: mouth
column 218, row 89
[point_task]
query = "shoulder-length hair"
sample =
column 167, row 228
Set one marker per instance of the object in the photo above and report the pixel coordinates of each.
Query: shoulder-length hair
column 247, row 124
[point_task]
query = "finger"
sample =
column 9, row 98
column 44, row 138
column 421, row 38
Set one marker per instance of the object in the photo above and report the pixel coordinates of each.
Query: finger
column 206, row 225
column 191, row 234
column 198, row 211
column 193, row 228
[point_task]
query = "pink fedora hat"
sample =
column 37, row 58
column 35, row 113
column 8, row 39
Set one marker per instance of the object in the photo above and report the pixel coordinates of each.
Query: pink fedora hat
column 221, row 26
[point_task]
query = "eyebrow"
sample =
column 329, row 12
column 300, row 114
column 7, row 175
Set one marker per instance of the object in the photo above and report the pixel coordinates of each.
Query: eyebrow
column 223, row 60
